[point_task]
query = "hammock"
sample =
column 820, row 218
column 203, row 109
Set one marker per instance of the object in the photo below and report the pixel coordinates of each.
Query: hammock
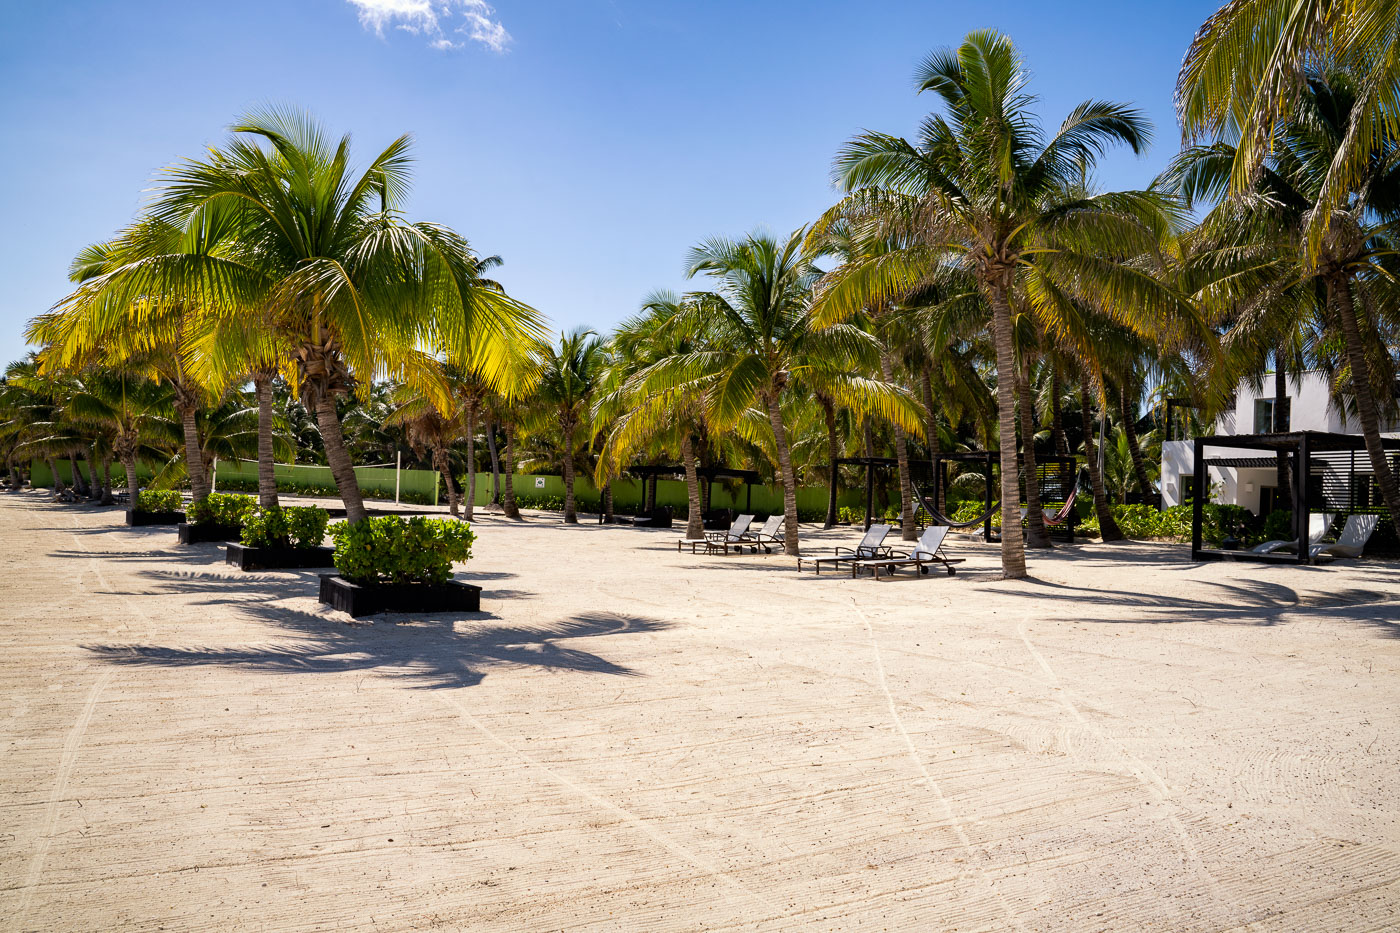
column 940, row 519
column 1059, row 517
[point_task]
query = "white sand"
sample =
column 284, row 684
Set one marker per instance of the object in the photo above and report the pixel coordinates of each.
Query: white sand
column 632, row 739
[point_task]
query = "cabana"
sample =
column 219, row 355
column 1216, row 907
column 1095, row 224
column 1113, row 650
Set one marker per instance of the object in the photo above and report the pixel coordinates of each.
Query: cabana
column 1057, row 478
column 1334, row 468
column 650, row 473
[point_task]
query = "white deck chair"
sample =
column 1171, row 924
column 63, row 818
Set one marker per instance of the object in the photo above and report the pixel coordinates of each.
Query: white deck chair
column 767, row 534
column 870, row 546
column 1318, row 523
column 1352, row 541
column 928, row 551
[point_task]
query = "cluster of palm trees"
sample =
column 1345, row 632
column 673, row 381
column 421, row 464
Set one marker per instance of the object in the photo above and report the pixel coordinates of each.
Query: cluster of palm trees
column 973, row 288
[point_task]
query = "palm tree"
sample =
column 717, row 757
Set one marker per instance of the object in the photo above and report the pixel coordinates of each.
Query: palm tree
column 982, row 189
column 569, row 374
column 320, row 257
column 640, row 410
column 760, row 340
column 139, row 414
column 1257, row 270
column 435, row 425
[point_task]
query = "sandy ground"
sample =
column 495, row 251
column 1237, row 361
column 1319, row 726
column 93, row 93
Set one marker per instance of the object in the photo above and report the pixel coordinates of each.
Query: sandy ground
column 632, row 739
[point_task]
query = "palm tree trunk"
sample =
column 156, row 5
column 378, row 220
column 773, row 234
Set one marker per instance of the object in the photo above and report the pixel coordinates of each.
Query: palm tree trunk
column 1057, row 417
column 471, row 464
column 570, row 515
column 495, row 462
column 194, row 450
column 79, row 487
column 444, row 466
column 342, row 470
column 133, row 484
column 94, row 487
column 907, row 528
column 107, row 481
column 1013, row 551
column 833, row 452
column 267, row 475
column 1367, row 412
column 607, row 504
column 1134, row 450
column 1108, row 526
column 58, row 485
column 1036, row 534
column 695, row 519
column 508, row 475
column 789, row 476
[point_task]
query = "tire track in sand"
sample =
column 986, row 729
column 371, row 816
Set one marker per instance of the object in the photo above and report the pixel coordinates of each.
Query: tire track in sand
column 67, row 761
column 1140, row 770
column 928, row 780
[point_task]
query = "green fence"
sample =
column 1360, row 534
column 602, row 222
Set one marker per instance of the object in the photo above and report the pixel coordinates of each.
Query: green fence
column 627, row 494
column 39, row 475
column 420, row 486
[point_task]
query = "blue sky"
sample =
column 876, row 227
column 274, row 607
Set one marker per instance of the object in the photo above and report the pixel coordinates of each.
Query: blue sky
column 590, row 143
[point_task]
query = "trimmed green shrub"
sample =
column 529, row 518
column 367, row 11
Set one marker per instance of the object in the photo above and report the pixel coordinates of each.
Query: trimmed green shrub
column 221, row 509
column 1278, row 525
column 158, row 500
column 303, row 526
column 390, row 549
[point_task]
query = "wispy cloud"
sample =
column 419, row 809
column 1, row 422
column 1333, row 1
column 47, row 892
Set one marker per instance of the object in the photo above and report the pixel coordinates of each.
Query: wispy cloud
column 438, row 21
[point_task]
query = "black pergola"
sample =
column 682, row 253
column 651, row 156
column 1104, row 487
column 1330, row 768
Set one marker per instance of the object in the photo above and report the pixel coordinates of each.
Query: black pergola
column 1066, row 467
column 650, row 473
column 1312, row 489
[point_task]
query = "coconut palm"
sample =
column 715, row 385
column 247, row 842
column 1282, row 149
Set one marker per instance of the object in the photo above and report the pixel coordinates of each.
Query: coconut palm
column 1271, row 294
column 982, row 188
column 760, row 340
column 138, row 412
column 569, row 375
column 319, row 256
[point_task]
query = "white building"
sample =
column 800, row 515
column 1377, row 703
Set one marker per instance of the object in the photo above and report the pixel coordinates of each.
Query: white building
column 1310, row 408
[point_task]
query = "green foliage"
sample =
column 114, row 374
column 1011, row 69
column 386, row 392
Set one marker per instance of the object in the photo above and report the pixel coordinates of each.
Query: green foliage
column 316, row 489
column 291, row 527
column 1278, row 525
column 158, row 500
column 390, row 549
column 221, row 509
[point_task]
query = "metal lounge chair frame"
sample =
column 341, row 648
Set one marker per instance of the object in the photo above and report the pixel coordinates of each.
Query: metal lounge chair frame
column 928, row 551
column 766, row 535
column 870, row 547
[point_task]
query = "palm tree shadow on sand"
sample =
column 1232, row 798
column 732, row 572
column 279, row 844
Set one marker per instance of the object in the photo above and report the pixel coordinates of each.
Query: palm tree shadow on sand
column 432, row 651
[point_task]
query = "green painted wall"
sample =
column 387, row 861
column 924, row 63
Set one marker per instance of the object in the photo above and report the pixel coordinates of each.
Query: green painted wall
column 627, row 494
column 39, row 475
column 374, row 481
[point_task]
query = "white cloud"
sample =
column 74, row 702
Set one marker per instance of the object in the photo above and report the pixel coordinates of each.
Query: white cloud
column 433, row 18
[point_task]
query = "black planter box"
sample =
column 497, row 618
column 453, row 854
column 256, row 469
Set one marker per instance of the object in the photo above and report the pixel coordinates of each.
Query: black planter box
column 207, row 531
column 137, row 519
column 452, row 596
column 279, row 558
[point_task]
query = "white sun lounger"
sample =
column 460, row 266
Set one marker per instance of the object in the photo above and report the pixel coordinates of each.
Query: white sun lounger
column 1318, row 523
column 1352, row 541
column 870, row 547
column 928, row 551
column 766, row 535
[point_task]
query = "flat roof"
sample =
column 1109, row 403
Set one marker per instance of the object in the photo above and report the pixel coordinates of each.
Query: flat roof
column 1317, row 441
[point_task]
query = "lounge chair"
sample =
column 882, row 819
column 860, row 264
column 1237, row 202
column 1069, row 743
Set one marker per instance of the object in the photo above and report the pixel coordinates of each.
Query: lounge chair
column 722, row 541
column 870, row 546
column 927, row 551
column 766, row 535
column 1352, row 541
column 1318, row 523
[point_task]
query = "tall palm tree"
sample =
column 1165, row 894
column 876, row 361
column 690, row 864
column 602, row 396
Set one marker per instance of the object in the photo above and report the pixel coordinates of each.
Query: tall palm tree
column 1257, row 271
column 569, row 375
column 760, row 340
column 979, row 189
column 320, row 256
column 138, row 412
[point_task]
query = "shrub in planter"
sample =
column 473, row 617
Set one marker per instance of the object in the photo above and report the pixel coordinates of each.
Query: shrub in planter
column 158, row 500
column 275, row 538
column 220, row 508
column 301, row 527
column 405, row 565
column 389, row 549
